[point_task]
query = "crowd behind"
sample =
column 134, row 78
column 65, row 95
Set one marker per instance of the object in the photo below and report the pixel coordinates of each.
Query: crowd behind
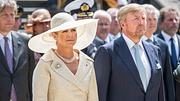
column 131, row 53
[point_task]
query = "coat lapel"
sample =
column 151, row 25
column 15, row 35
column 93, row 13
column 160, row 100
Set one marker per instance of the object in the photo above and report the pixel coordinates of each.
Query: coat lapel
column 178, row 37
column 123, row 51
column 154, row 62
column 155, row 42
column 84, row 66
column 62, row 70
column 3, row 61
column 17, row 49
column 160, row 36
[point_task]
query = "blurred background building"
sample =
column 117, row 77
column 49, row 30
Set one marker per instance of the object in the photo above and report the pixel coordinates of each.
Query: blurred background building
column 55, row 6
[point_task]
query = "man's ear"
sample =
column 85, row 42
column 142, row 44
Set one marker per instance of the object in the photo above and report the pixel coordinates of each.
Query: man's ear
column 122, row 24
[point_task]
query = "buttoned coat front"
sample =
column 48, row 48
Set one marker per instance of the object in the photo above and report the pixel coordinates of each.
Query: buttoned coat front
column 53, row 81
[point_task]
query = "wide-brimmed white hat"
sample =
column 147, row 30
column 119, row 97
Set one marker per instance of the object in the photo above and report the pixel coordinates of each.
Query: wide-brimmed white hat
column 86, row 31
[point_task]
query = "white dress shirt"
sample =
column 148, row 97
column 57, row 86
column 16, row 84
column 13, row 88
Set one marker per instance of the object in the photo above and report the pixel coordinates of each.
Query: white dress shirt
column 9, row 42
column 168, row 41
column 144, row 57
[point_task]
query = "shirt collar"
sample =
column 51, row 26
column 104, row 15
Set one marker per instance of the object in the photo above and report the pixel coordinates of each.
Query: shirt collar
column 168, row 37
column 145, row 38
column 8, row 35
column 130, row 43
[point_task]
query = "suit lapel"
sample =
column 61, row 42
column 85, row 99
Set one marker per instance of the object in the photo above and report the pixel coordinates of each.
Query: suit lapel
column 160, row 36
column 3, row 61
column 122, row 50
column 178, row 37
column 155, row 42
column 16, row 49
column 153, row 63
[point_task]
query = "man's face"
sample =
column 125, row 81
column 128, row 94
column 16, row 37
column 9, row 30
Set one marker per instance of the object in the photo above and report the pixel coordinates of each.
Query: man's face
column 40, row 27
column 170, row 23
column 103, row 27
column 114, row 29
column 134, row 25
column 17, row 24
column 152, row 21
column 7, row 20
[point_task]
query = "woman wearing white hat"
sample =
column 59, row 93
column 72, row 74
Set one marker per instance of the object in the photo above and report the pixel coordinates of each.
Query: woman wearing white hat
column 64, row 73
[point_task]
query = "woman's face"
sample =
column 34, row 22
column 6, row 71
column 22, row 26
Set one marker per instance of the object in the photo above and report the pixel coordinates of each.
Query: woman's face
column 65, row 38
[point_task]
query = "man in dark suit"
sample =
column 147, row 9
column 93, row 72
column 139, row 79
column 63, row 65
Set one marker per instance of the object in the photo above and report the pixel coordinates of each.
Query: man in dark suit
column 15, row 62
column 169, row 23
column 103, row 30
column 152, row 19
column 121, row 72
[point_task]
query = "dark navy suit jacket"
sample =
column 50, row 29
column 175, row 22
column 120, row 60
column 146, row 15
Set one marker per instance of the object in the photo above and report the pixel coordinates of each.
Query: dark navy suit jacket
column 23, row 68
column 167, row 69
column 177, row 84
column 118, row 78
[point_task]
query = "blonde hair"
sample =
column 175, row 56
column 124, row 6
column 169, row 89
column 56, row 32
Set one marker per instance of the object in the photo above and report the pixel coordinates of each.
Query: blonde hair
column 8, row 3
column 123, row 11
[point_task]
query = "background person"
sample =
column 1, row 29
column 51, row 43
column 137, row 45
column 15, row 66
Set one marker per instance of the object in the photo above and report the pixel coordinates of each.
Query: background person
column 152, row 14
column 169, row 24
column 15, row 61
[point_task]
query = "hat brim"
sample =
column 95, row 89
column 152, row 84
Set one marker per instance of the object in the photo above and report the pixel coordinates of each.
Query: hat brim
column 86, row 31
column 45, row 20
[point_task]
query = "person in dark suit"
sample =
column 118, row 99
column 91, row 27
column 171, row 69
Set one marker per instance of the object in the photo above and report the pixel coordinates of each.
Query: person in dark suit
column 15, row 61
column 152, row 19
column 102, row 30
column 169, row 23
column 121, row 72
column 176, row 73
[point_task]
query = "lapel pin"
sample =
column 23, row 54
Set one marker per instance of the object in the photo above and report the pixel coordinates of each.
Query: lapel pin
column 158, row 66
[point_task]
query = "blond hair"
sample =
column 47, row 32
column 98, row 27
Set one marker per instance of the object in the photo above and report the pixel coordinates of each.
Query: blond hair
column 8, row 3
column 130, row 8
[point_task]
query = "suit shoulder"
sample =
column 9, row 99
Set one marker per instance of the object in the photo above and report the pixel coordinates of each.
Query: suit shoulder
column 21, row 36
column 148, row 44
column 86, row 57
column 160, row 36
column 178, row 36
column 161, row 42
column 152, row 46
column 109, row 45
